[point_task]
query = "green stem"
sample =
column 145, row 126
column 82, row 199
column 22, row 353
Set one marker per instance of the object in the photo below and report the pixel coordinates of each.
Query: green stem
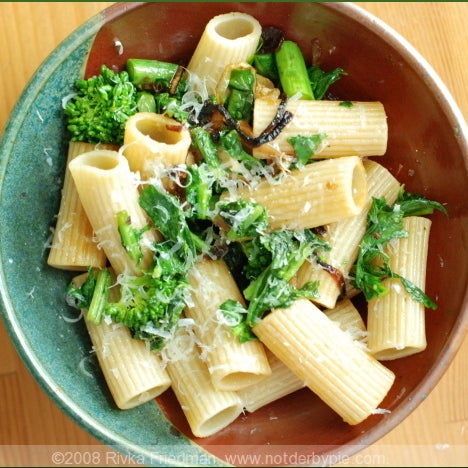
column 146, row 102
column 100, row 297
column 144, row 72
column 292, row 71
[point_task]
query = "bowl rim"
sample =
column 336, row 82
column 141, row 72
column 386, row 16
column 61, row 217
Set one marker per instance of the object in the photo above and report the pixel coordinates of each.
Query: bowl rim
column 86, row 32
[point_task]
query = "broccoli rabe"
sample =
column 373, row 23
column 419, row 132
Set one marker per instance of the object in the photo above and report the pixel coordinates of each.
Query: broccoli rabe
column 240, row 99
column 100, row 108
column 321, row 80
column 151, row 303
column 384, row 223
column 292, row 71
column 243, row 219
column 305, row 147
column 272, row 260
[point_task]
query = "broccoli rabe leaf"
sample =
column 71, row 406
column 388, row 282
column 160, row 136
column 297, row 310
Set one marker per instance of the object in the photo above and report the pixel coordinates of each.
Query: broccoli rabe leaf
column 306, row 146
column 167, row 215
column 273, row 259
column 80, row 297
column 232, row 144
column 321, row 80
column 416, row 205
column 384, row 223
column 102, row 105
column 244, row 219
column 240, row 97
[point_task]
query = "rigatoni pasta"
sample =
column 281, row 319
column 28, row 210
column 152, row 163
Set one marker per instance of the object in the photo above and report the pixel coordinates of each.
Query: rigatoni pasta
column 227, row 38
column 74, row 245
column 207, row 409
column 348, row 128
column 344, row 236
column 134, row 374
column 332, row 365
column 232, row 365
column 350, row 320
column 396, row 322
column 106, row 186
column 282, row 380
column 153, row 142
column 320, row 193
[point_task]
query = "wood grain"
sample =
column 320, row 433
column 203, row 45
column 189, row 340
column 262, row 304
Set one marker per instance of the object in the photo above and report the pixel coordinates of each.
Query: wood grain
column 435, row 434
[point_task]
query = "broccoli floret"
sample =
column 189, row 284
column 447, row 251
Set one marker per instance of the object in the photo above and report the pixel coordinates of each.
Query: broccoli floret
column 102, row 105
column 151, row 303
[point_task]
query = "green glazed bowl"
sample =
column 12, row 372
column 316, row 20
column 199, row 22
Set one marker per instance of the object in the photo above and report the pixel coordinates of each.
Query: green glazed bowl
column 427, row 147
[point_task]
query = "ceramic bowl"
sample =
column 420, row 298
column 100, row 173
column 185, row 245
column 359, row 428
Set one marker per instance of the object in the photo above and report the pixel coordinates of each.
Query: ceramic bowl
column 427, row 151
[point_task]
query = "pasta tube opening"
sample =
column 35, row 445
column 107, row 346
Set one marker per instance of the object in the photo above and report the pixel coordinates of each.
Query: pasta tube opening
column 227, row 38
column 159, row 130
column 104, row 160
column 154, row 141
column 218, row 420
column 233, row 26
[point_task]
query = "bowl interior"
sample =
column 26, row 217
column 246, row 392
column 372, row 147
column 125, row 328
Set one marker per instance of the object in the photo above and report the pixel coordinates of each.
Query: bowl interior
column 427, row 148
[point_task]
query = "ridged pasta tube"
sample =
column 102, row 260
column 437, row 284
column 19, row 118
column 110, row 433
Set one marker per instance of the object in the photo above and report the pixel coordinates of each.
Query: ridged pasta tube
column 207, row 409
column 74, row 245
column 315, row 195
column 357, row 129
column 344, row 237
column 396, row 321
column 106, row 186
column 282, row 380
column 232, row 365
column 227, row 38
column 333, row 366
column 280, row 383
column 153, row 142
column 134, row 374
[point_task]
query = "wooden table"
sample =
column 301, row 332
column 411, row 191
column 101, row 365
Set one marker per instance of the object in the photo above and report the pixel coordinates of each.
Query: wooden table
column 435, row 434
